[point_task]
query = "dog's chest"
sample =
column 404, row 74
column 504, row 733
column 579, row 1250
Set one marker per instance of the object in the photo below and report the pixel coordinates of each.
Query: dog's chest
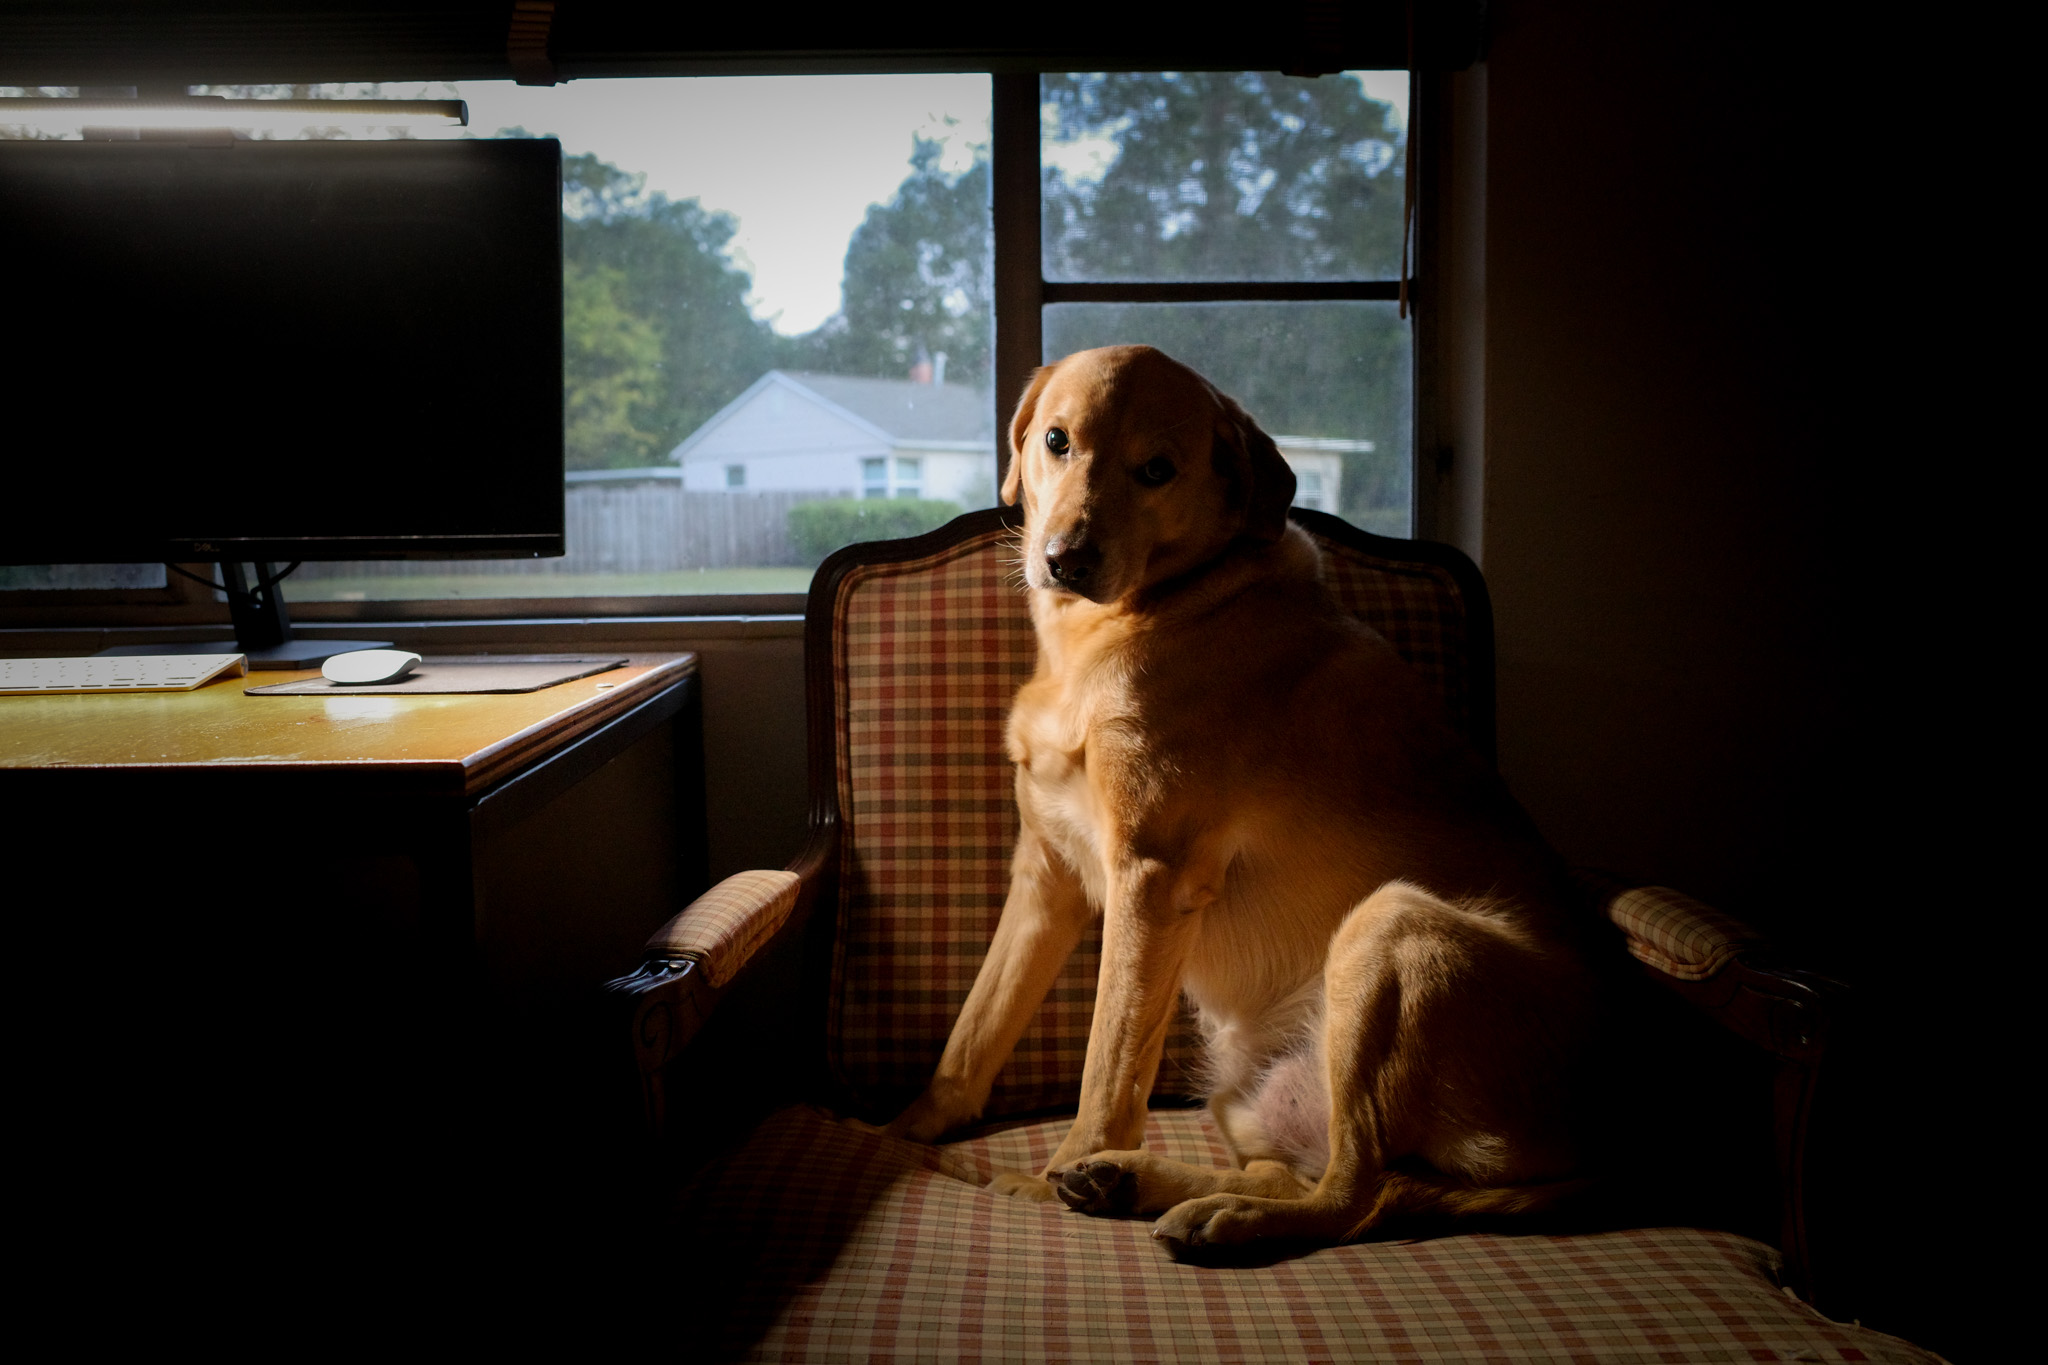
column 1058, row 794
column 1067, row 818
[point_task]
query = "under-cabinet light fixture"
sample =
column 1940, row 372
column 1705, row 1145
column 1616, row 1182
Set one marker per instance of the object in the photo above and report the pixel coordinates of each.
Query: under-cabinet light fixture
column 218, row 114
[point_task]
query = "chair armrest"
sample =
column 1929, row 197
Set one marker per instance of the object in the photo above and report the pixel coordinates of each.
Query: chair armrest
column 689, row 961
column 1721, row 966
column 723, row 928
column 1725, row 969
column 1672, row 933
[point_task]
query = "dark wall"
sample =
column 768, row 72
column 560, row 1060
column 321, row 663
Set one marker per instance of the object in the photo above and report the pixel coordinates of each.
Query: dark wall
column 1658, row 524
column 1727, row 648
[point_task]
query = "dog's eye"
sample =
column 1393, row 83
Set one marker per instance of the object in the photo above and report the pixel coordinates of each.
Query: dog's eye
column 1056, row 441
column 1156, row 471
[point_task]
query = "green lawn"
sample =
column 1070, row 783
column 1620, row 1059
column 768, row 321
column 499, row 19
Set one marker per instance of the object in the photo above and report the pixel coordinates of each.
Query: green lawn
column 446, row 586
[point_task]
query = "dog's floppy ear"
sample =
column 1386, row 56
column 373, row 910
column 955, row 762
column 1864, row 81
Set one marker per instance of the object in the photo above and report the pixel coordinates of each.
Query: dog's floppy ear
column 1260, row 464
column 1027, row 408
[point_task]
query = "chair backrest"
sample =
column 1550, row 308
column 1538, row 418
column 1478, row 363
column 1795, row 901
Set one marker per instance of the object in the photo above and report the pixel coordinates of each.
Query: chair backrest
column 929, row 641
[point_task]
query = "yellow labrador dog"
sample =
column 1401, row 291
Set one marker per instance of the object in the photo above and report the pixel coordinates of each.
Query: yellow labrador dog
column 1272, row 816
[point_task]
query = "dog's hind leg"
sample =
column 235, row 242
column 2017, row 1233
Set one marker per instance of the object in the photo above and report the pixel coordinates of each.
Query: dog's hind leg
column 1398, row 987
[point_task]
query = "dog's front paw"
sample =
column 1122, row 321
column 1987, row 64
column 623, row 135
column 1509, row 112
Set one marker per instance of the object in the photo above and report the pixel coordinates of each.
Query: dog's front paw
column 1099, row 1185
column 1217, row 1220
column 1018, row 1185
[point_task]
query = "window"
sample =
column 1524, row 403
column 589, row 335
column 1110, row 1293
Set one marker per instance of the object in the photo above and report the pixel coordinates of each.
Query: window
column 909, row 478
column 799, row 311
column 1250, row 225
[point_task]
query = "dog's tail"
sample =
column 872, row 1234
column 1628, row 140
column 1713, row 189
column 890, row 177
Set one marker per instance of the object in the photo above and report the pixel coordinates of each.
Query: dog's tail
column 1428, row 1194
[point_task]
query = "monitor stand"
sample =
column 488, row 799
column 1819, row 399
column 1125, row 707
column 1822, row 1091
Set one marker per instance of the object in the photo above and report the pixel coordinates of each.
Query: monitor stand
column 263, row 627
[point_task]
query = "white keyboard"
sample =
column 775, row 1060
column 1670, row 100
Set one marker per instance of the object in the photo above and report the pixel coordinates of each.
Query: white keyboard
column 119, row 673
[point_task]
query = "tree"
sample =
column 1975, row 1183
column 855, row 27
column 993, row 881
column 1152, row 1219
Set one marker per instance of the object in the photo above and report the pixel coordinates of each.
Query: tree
column 1224, row 176
column 657, row 332
column 611, row 362
column 919, row 277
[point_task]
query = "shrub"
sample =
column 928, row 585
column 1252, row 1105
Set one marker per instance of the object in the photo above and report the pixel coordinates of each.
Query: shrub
column 816, row 529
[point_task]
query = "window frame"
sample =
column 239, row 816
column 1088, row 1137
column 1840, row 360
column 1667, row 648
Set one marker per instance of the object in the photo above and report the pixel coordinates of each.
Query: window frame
column 1020, row 294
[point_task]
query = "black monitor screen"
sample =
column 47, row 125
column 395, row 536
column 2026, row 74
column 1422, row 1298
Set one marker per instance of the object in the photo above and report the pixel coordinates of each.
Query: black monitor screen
column 280, row 350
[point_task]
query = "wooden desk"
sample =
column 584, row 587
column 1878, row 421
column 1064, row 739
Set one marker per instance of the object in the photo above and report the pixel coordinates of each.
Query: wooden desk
column 316, row 923
column 161, row 792
column 439, row 743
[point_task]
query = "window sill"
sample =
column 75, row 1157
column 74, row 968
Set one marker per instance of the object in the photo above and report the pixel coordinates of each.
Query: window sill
column 719, row 606
column 545, row 626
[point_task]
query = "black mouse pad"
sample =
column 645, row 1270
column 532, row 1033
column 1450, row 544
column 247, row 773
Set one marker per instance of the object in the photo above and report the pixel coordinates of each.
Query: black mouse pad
column 447, row 673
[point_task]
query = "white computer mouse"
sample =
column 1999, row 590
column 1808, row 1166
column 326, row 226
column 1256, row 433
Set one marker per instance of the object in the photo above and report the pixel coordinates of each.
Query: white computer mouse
column 365, row 666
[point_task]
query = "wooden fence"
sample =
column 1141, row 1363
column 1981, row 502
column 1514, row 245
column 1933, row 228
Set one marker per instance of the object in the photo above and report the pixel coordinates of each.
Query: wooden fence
column 640, row 527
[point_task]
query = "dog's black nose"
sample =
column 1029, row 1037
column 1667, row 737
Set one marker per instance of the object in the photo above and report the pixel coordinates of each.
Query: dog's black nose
column 1070, row 564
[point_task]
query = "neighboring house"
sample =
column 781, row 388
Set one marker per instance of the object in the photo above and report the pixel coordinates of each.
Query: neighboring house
column 899, row 438
column 855, row 437
column 1318, row 465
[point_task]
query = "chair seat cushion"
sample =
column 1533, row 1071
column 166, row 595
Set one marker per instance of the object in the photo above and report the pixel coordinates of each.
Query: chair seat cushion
column 819, row 1242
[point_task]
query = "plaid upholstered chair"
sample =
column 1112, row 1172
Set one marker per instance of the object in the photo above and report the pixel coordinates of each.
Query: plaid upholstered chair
column 836, row 981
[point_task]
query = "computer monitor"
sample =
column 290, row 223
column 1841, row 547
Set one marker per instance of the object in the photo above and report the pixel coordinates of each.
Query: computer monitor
column 248, row 350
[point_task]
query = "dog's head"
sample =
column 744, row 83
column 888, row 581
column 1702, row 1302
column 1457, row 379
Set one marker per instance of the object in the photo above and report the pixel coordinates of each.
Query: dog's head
column 1133, row 469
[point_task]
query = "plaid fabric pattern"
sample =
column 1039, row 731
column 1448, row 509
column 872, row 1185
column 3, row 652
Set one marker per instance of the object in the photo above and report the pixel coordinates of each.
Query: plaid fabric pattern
column 727, row 924
column 821, row 1243
column 1676, row 934
column 1418, row 607
column 927, row 656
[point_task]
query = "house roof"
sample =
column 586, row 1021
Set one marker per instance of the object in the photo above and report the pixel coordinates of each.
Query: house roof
column 893, row 411
column 907, row 411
